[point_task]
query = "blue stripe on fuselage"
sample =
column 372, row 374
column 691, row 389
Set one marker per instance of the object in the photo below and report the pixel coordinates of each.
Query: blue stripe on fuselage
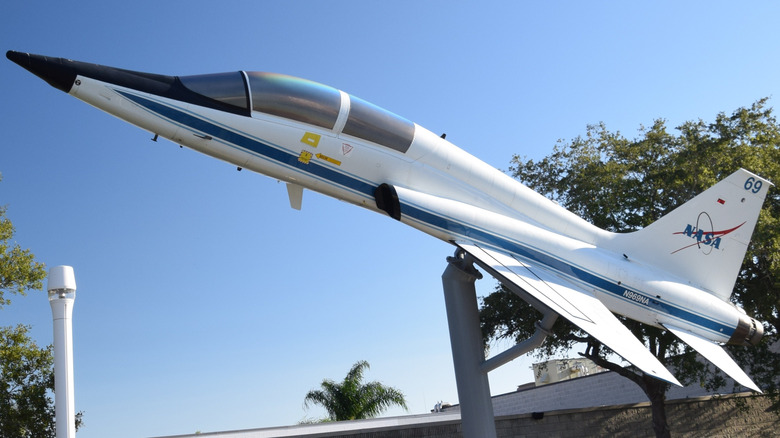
column 434, row 220
column 247, row 143
column 536, row 256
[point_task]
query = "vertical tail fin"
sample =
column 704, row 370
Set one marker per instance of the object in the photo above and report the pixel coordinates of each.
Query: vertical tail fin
column 705, row 239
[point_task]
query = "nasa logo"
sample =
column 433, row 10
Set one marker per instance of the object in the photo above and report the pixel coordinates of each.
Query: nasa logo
column 704, row 238
column 706, row 241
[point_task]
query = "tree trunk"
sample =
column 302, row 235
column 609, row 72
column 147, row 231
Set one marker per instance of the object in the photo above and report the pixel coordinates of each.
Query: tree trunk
column 656, row 392
column 654, row 389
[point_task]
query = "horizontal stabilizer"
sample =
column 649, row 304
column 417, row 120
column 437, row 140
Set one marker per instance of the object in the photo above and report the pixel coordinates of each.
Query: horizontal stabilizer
column 571, row 302
column 715, row 354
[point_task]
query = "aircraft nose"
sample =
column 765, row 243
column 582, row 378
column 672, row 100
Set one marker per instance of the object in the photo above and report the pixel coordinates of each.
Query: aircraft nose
column 56, row 71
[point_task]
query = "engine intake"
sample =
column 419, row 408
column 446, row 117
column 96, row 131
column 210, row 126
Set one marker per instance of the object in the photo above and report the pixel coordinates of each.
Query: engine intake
column 387, row 200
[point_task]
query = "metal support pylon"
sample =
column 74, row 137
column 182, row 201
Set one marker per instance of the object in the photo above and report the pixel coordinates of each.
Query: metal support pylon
column 468, row 353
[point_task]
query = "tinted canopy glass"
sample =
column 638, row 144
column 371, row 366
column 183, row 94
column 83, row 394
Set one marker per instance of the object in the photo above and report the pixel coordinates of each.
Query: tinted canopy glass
column 224, row 87
column 294, row 98
column 372, row 123
column 304, row 101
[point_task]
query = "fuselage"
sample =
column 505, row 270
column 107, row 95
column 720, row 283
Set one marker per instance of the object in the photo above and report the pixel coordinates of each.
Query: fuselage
column 322, row 139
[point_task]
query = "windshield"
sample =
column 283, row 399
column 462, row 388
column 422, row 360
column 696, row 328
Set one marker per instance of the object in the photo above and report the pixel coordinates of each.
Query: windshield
column 224, row 87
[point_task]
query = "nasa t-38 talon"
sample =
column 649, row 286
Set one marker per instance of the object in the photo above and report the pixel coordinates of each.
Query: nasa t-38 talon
column 678, row 273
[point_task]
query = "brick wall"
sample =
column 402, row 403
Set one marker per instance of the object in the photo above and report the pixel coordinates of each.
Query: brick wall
column 697, row 417
column 604, row 389
column 729, row 416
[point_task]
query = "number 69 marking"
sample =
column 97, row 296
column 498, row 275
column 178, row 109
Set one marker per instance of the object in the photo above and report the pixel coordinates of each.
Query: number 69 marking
column 753, row 185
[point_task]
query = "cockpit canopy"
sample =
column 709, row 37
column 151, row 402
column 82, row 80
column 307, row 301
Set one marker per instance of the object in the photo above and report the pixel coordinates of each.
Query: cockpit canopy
column 293, row 98
column 224, row 87
column 304, row 101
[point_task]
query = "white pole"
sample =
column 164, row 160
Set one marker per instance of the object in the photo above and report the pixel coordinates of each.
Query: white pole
column 62, row 293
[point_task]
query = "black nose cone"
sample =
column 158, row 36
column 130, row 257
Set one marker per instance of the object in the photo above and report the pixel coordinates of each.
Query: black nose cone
column 58, row 72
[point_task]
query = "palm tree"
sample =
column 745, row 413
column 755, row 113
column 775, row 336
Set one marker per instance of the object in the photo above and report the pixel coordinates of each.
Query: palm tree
column 353, row 400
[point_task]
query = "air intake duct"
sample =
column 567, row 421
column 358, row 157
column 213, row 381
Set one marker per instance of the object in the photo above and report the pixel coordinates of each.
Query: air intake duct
column 387, row 200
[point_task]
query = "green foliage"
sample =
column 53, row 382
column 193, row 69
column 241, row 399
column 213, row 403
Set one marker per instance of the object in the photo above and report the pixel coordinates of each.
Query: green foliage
column 26, row 385
column 26, row 377
column 353, row 400
column 622, row 185
column 18, row 269
column 26, row 370
column 504, row 315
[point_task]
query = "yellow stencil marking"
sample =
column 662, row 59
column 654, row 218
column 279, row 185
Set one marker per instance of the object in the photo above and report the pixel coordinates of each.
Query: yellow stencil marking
column 329, row 159
column 311, row 139
column 305, row 157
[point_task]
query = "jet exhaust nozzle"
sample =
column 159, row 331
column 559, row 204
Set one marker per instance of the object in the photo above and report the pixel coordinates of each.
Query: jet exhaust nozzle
column 748, row 332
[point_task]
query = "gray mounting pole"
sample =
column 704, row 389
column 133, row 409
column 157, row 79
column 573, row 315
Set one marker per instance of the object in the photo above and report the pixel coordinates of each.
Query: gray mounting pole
column 468, row 354
column 543, row 328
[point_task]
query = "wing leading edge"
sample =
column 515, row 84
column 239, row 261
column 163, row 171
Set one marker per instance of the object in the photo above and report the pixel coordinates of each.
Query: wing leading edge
column 573, row 303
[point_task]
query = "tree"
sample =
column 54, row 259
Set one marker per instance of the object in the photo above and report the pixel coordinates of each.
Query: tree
column 26, row 370
column 623, row 185
column 18, row 269
column 353, row 400
column 26, row 409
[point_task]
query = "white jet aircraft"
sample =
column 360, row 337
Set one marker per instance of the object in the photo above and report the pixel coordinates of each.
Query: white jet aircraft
column 677, row 274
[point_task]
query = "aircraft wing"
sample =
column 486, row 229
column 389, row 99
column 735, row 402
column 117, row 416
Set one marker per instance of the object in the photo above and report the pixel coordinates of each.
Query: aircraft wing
column 573, row 303
column 715, row 354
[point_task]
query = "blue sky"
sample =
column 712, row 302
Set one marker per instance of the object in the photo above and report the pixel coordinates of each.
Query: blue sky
column 204, row 302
